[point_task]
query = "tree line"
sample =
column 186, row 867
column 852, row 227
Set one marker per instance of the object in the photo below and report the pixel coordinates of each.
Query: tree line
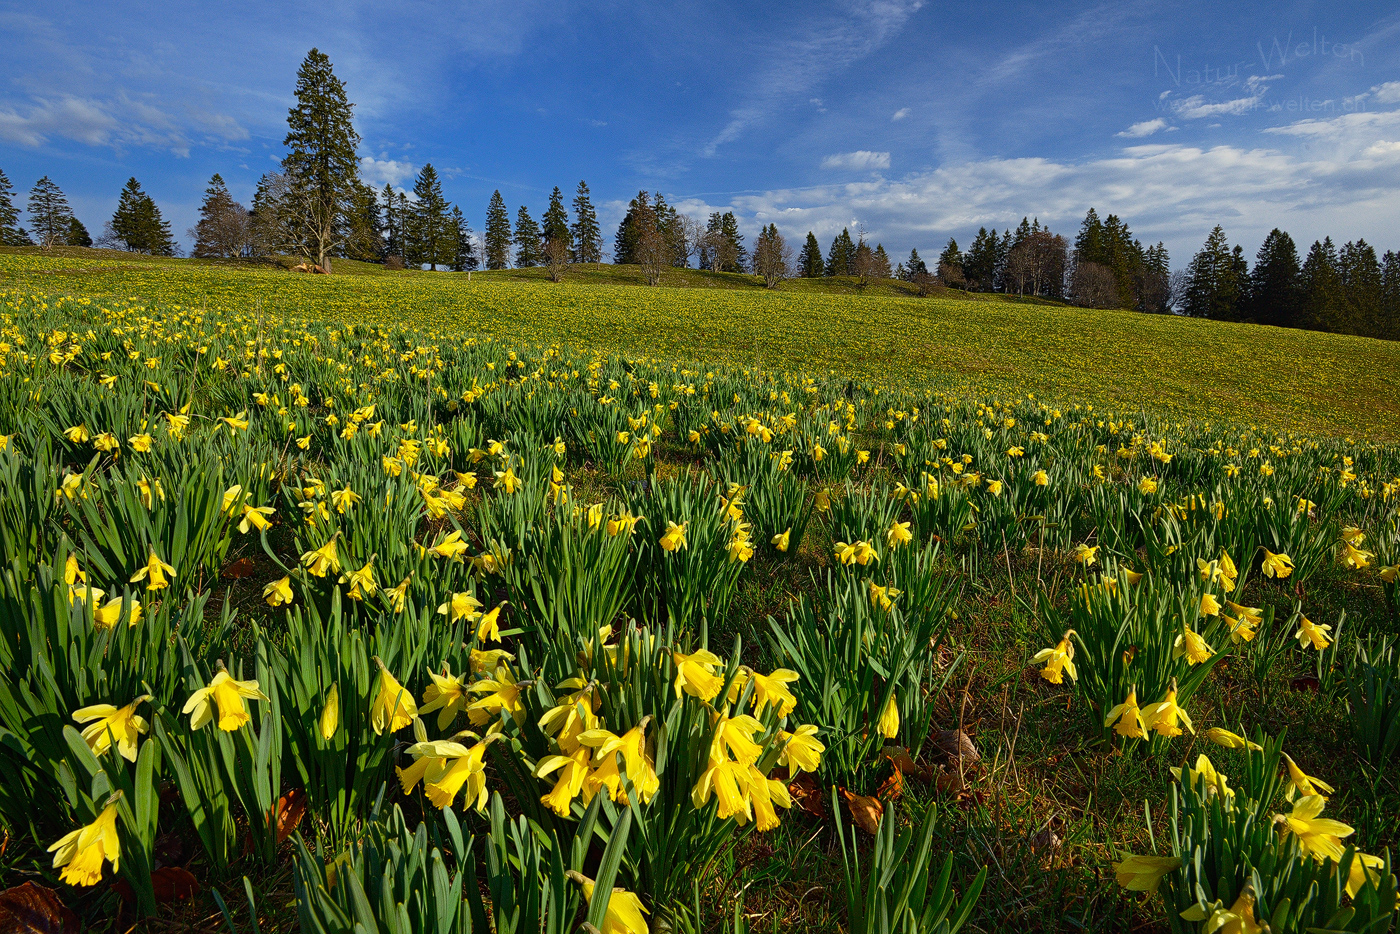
column 317, row 205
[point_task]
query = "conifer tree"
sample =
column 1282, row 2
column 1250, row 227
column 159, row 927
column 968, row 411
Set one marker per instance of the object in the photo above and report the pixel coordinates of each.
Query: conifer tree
column 222, row 229
column 1321, row 288
column 1274, row 285
column 138, row 225
column 625, row 240
column 464, row 258
column 950, row 264
column 11, row 233
column 321, row 166
column 1360, row 274
column 49, row 216
column 556, row 221
column 914, row 266
column 498, row 235
column 1390, row 296
column 365, row 234
column 529, row 251
column 587, row 237
column 809, row 263
column 1214, row 287
column 393, row 222
column 980, row 264
column 412, row 235
column 882, row 263
column 78, row 234
column 729, row 227
column 437, row 240
column 841, row 258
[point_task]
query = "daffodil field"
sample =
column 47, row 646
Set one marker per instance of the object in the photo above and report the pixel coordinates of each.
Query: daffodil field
column 317, row 624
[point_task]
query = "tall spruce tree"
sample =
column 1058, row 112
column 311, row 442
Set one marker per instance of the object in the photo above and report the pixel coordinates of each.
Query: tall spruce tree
column 498, row 235
column 50, row 219
column 1360, row 274
column 841, row 258
column 556, row 221
column 881, row 267
column 1390, row 296
column 78, row 234
column 321, row 164
column 138, row 223
column 1213, row 287
column 464, row 258
column 625, row 240
column 587, row 237
column 914, row 265
column 437, row 240
column 729, row 227
column 11, row 233
column 809, row 263
column 1321, row 306
column 980, row 265
column 1275, row 282
column 950, row 264
column 393, row 222
column 529, row 250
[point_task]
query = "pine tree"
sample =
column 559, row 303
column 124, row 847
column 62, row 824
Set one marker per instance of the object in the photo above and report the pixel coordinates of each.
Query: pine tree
column 321, row 164
column 1360, row 274
column 950, row 264
column 412, row 232
column 914, row 266
column 222, row 229
column 556, row 221
column 729, row 227
column 882, row 262
column 1214, row 288
column 841, row 258
column 980, row 265
column 364, row 236
column 625, row 240
column 529, row 251
column 498, row 235
column 809, row 263
column 138, row 225
column 464, row 258
column 1154, row 289
column 11, row 233
column 1390, row 296
column 1003, row 256
column 1275, row 283
column 587, row 237
column 49, row 216
column 1088, row 244
column 436, row 239
column 1320, row 308
column 78, row 234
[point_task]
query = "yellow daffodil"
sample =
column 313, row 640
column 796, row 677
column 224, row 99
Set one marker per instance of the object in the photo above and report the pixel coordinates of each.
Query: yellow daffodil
column 889, row 719
column 1166, row 715
column 154, row 573
column 1223, row 737
column 1301, row 784
column 393, row 707
column 1126, row 718
column 1059, row 661
column 324, row 559
column 1317, row 836
column 625, row 913
column 695, row 674
column 1144, row 873
column 120, row 724
column 780, row 541
column 1277, row 565
column 329, row 720
column 1310, row 633
column 279, row 592
column 80, row 853
column 223, row 695
column 673, row 539
column 801, row 750
column 1192, row 646
column 898, row 534
column 1085, row 554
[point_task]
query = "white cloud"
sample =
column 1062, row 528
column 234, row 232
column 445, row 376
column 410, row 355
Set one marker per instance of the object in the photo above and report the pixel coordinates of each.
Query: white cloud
column 861, row 160
column 1311, row 184
column 900, row 114
column 1145, row 128
column 1388, row 93
column 386, row 171
column 120, row 122
column 1197, row 107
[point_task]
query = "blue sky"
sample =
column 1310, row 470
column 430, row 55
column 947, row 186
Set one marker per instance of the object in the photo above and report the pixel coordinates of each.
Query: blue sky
column 916, row 120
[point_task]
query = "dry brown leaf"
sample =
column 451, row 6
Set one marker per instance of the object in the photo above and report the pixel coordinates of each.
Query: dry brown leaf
column 865, row 811
column 237, row 570
column 291, row 808
column 899, row 757
column 891, row 787
column 33, row 909
column 955, row 744
column 173, row 884
column 807, row 795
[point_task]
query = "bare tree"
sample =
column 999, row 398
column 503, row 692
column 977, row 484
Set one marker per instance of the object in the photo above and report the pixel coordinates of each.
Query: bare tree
column 689, row 238
column 923, row 280
column 556, row 259
column 951, row 275
column 772, row 257
column 223, row 232
column 1094, row 285
column 295, row 217
column 652, row 252
column 1177, row 284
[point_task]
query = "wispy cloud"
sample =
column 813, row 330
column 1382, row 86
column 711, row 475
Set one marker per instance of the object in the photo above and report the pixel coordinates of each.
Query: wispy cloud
column 120, row 122
column 900, row 114
column 1145, row 128
column 813, row 52
column 386, row 171
column 861, row 160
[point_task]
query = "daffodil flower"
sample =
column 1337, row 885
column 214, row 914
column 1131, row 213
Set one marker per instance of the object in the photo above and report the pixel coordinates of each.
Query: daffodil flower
column 154, row 573
column 223, row 695
column 393, row 707
column 80, row 853
column 120, row 724
column 1059, row 661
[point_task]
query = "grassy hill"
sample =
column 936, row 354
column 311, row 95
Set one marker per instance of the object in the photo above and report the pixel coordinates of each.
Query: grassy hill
column 984, row 345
